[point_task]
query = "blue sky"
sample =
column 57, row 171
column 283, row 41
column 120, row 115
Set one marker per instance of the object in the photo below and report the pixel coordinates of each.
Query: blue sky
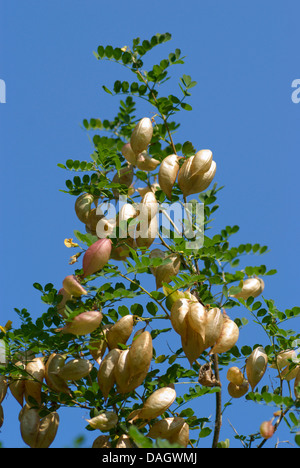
column 244, row 56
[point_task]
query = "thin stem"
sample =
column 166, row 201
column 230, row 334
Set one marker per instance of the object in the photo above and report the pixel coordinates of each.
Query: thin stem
column 218, row 416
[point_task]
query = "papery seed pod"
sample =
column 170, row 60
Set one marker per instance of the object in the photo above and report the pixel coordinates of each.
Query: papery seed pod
column 65, row 298
column 96, row 257
column 75, row 369
column 121, row 371
column 197, row 318
column 213, row 326
column 181, row 438
column 106, row 375
column 289, row 373
column 192, row 343
column 155, row 405
column 1, row 416
column 256, row 365
column 184, row 175
column 148, row 207
column 282, row 363
column 120, row 331
column 47, row 430
column 166, row 428
column 201, row 162
column 124, row 442
column 266, row 429
column 163, row 273
column 98, row 346
column 33, row 383
column 200, row 182
column 106, row 228
column 146, row 233
column 167, row 174
column 128, row 154
column 144, row 162
column 140, row 353
column 251, row 287
column 83, row 206
column 83, row 324
column 153, row 188
column 136, row 380
column 93, row 219
column 296, row 384
column 228, row 337
column 29, row 426
column 124, row 177
column 3, row 387
column 235, row 375
column 237, row 391
column 17, row 384
column 207, row 377
column 101, row 441
column 54, row 363
column 104, row 421
column 141, row 135
column 126, row 227
column 73, row 287
column 172, row 297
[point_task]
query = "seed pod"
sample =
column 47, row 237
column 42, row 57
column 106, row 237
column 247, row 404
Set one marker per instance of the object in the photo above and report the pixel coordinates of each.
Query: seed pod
column 201, row 162
column 182, row 438
column 143, row 190
column 144, row 162
column 54, row 363
column 75, row 369
column 166, row 428
column 197, row 317
column 93, row 219
column 141, row 135
column 104, row 421
column 167, row 174
column 207, row 377
column 128, row 154
column 251, row 287
column 33, row 384
column 148, row 207
column 296, row 384
column 235, row 375
column 121, row 371
column 147, row 232
column 124, row 442
column 179, row 311
column 120, row 331
column 29, row 425
column 127, row 212
column 213, row 326
column 164, row 272
column 200, row 182
column 3, row 387
column 237, row 391
column 283, row 365
column 65, row 298
column 256, row 366
column 172, row 297
column 106, row 375
column 184, row 175
column 73, row 287
column 266, row 429
column 140, row 354
column 228, row 337
column 83, row 206
column 83, row 324
column 1, row 416
column 192, row 343
column 101, row 442
column 155, row 405
column 289, row 374
column 123, row 177
column 97, row 347
column 17, row 385
column 96, row 256
column 47, row 430
column 136, row 380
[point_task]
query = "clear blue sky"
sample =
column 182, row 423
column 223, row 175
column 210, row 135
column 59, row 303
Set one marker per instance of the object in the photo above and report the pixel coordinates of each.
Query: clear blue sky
column 244, row 56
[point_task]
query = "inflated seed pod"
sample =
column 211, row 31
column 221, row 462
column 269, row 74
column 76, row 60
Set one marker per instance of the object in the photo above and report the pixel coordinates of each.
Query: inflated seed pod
column 266, row 429
column 213, row 326
column 72, row 286
column 33, row 383
column 164, row 272
column 83, row 324
column 128, row 154
column 98, row 346
column 65, row 298
column 120, row 331
column 282, row 364
column 235, row 375
column 124, row 442
column 200, row 182
column 29, row 425
column 3, row 387
column 201, row 162
column 93, row 219
column 96, row 257
column 197, row 318
column 141, row 135
column 17, row 384
column 179, row 311
column 166, row 428
column 251, row 287
column 1, row 416
column 101, row 441
column 296, row 384
column 192, row 343
column 256, row 365
column 184, row 175
column 237, row 391
column 172, row 297
column 155, row 405
column 54, row 363
column 228, row 337
column 144, row 162
column 146, row 233
column 75, row 369
column 167, row 174
column 140, row 354
column 47, row 430
column 288, row 373
column 121, row 371
column 126, row 229
column 106, row 375
column 104, row 421
column 181, row 438
column 123, row 177
column 83, row 206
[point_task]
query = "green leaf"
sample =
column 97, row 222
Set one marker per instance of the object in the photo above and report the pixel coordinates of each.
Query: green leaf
column 106, row 90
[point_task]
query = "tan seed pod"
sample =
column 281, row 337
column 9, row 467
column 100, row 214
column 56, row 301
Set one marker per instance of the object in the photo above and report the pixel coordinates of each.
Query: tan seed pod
column 213, row 326
column 200, row 182
column 128, row 154
column 120, row 332
column 83, row 206
column 144, row 162
column 282, row 363
column 251, row 287
column 184, row 175
column 296, row 384
column 126, row 227
column 155, row 405
column 101, row 441
column 181, row 438
column 140, row 354
column 136, row 380
column 106, row 375
column 73, row 287
column 98, row 346
column 141, row 135
column 228, row 337
column 197, row 318
column 192, row 343
column 3, row 387
column 146, row 233
column 29, row 426
column 104, row 421
column 164, row 272
column 1, row 416
column 121, row 371
column 166, row 428
column 75, row 369
column 124, row 442
column 83, row 324
column 201, row 162
column 54, row 363
column 179, row 311
column 237, row 391
column 17, row 384
column 167, row 174
column 93, row 219
column 235, row 375
column 256, row 365
column 148, row 208
column 123, row 177
column 33, row 383
column 47, row 430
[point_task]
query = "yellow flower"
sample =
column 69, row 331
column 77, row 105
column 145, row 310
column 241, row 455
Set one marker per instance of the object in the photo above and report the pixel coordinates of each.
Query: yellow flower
column 6, row 327
column 74, row 258
column 69, row 243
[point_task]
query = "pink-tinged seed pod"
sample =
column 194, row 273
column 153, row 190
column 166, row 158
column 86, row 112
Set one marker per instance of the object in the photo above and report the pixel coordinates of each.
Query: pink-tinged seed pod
column 75, row 369
column 29, row 425
column 228, row 337
column 83, row 324
column 200, row 182
column 213, row 326
column 128, row 154
column 256, row 365
column 237, row 391
column 106, row 375
column 140, row 353
column 53, row 365
column 167, row 174
column 104, row 421
column 266, row 429
column 73, row 287
column 17, row 384
column 141, row 135
column 124, row 442
column 3, row 387
column 179, row 311
column 201, row 162
column 155, row 405
column 83, row 206
column 144, row 162
column 33, row 383
column 47, row 430
column 235, row 375
column 120, row 331
column 197, row 318
column 96, row 257
column 251, row 287
column 101, row 442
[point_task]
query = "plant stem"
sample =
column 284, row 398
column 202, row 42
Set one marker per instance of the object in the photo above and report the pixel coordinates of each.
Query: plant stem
column 218, row 417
